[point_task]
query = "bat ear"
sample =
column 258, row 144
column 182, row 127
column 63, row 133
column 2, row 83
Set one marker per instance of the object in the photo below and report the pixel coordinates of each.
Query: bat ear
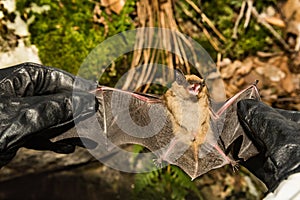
column 180, row 78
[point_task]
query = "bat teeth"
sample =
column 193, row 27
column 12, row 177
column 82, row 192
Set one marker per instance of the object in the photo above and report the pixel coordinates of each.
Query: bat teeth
column 194, row 89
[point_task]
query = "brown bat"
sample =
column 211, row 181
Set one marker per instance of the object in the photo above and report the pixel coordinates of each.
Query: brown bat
column 180, row 127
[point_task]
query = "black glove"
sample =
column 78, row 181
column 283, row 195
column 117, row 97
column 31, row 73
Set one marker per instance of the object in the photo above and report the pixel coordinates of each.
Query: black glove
column 38, row 103
column 276, row 134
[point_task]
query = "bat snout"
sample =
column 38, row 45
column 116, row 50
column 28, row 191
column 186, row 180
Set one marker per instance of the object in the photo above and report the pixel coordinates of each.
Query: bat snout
column 195, row 88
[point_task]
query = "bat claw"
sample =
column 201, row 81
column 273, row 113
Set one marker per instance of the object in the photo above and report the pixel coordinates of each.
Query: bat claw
column 158, row 162
column 235, row 165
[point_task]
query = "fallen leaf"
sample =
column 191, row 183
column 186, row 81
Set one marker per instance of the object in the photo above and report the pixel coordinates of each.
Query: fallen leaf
column 228, row 70
column 246, row 67
column 275, row 21
column 271, row 72
column 114, row 5
column 287, row 82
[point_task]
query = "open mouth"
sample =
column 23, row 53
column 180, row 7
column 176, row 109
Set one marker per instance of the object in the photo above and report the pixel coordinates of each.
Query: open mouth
column 194, row 89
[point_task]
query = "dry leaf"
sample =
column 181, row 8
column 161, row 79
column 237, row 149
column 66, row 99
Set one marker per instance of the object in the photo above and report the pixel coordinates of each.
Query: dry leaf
column 246, row 67
column 228, row 71
column 275, row 21
column 98, row 18
column 279, row 86
column 271, row 72
column 291, row 11
column 287, row 82
column 113, row 5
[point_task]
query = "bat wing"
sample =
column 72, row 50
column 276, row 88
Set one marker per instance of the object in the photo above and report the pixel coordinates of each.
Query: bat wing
column 130, row 118
column 232, row 138
column 124, row 118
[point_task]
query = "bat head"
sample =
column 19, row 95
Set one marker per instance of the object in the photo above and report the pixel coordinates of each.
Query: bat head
column 196, row 85
column 189, row 86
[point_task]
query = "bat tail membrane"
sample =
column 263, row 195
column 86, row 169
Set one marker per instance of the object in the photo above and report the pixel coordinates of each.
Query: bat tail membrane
column 176, row 148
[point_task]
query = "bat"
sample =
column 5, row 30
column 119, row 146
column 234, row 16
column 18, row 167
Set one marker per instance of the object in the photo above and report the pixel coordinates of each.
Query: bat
column 179, row 127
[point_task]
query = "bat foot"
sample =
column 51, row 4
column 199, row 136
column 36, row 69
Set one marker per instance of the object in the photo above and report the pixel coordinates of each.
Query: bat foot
column 235, row 165
column 159, row 163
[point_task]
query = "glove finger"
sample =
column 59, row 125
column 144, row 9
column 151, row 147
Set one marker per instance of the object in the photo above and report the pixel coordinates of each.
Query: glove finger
column 62, row 148
column 27, row 116
column 277, row 139
column 30, row 79
column 84, row 105
column 23, row 117
column 290, row 115
column 260, row 120
column 40, row 143
column 81, row 142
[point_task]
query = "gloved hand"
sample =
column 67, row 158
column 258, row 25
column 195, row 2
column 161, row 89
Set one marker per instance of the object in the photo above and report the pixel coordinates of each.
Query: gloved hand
column 276, row 134
column 38, row 103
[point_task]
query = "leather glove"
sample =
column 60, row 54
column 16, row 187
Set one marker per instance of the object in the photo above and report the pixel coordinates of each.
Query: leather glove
column 276, row 134
column 38, row 103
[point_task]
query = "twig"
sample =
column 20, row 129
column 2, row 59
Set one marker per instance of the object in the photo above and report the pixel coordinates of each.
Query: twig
column 237, row 22
column 219, row 58
column 261, row 21
column 248, row 13
column 205, row 31
column 297, row 46
column 268, row 54
column 206, row 19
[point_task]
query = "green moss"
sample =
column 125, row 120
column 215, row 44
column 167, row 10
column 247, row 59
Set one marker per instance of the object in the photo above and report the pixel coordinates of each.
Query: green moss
column 223, row 14
column 168, row 183
column 250, row 40
column 66, row 33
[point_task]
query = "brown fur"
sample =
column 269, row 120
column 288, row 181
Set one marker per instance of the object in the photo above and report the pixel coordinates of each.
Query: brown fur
column 182, row 104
